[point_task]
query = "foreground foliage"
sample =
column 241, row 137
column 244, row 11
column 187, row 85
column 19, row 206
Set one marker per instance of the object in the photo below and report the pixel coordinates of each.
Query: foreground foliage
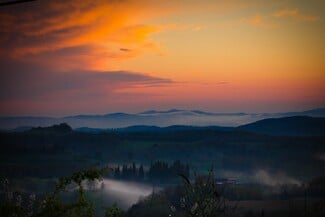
column 52, row 204
column 202, row 198
column 199, row 197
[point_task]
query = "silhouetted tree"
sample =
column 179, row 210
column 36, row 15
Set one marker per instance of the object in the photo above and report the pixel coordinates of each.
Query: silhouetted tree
column 141, row 172
column 117, row 173
column 134, row 170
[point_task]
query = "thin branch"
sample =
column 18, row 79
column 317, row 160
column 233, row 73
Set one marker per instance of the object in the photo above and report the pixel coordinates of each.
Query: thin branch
column 14, row 2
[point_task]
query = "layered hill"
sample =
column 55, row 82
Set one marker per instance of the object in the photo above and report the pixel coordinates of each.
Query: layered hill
column 150, row 118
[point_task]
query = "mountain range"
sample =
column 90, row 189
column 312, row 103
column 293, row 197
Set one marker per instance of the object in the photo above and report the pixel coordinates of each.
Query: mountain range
column 287, row 126
column 150, row 118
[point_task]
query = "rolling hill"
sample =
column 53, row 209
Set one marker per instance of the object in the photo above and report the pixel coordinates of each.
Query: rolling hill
column 288, row 126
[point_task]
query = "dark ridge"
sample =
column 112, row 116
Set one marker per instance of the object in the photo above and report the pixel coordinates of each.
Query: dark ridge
column 55, row 129
column 288, row 126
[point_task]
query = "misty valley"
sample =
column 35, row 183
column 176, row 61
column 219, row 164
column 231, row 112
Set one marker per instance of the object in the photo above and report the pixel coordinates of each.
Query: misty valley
column 147, row 169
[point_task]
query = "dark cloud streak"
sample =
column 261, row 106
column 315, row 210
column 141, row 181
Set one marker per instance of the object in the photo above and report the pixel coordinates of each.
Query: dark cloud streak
column 125, row 49
column 27, row 82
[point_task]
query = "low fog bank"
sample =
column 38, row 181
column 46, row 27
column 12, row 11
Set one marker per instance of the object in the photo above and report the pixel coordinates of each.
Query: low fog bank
column 275, row 179
column 263, row 177
column 126, row 193
column 123, row 193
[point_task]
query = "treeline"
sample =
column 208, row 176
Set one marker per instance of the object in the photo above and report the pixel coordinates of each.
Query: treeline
column 129, row 172
column 158, row 170
column 161, row 170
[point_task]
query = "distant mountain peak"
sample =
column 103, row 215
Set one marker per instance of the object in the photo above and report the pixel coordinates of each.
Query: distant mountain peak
column 118, row 114
column 161, row 111
column 148, row 112
column 202, row 112
column 175, row 110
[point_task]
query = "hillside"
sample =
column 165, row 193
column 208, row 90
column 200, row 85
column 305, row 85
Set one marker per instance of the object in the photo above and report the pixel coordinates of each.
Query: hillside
column 288, row 126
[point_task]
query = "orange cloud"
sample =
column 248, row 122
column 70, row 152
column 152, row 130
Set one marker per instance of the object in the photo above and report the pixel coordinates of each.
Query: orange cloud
column 295, row 14
column 258, row 21
column 103, row 27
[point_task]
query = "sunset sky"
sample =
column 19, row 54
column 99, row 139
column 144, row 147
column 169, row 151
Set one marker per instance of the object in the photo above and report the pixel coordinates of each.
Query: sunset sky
column 98, row 56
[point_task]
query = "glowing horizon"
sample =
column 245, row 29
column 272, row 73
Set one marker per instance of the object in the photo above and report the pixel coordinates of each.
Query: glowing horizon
column 71, row 57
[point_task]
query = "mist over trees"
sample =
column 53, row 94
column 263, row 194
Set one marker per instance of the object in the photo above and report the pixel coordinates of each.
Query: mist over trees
column 158, row 171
